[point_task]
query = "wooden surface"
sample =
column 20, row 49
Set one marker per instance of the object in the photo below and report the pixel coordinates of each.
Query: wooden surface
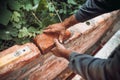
column 88, row 37
column 15, row 58
column 33, row 66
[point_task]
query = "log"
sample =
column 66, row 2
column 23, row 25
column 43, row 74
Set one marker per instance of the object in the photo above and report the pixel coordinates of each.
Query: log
column 89, row 35
column 17, row 60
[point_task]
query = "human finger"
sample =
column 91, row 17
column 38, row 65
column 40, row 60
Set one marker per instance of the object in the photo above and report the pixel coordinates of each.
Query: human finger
column 56, row 42
column 61, row 36
column 59, row 46
column 49, row 30
column 73, row 37
column 49, row 27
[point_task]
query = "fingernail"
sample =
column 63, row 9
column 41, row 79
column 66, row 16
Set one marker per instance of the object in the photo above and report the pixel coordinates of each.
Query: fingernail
column 60, row 41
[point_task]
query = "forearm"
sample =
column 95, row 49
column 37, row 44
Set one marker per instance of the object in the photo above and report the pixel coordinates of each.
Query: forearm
column 70, row 21
column 87, row 66
column 92, row 68
column 93, row 8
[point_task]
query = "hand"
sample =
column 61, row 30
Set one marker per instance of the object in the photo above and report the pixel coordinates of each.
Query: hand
column 60, row 50
column 60, row 27
column 56, row 28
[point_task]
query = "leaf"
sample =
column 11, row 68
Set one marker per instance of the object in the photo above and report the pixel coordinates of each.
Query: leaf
column 15, row 17
column 14, row 32
column 61, row 11
column 5, row 16
column 23, row 33
column 28, row 7
column 4, row 35
column 71, row 2
column 42, row 6
column 36, row 1
column 51, row 7
column 17, row 25
column 8, row 33
column 32, row 29
column 14, row 5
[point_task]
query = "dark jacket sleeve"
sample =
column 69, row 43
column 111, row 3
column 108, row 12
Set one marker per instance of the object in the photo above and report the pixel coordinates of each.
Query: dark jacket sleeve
column 93, row 8
column 91, row 68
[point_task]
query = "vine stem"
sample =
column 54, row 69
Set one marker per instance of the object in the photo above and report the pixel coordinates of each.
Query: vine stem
column 36, row 17
column 55, row 11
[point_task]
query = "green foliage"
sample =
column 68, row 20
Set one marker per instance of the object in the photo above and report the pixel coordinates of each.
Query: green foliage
column 15, row 21
column 8, row 33
column 15, row 17
column 14, row 5
column 68, row 7
column 72, row 2
column 21, row 20
column 6, row 8
column 5, row 16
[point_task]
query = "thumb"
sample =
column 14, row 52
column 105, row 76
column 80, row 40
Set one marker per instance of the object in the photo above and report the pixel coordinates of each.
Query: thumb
column 59, row 46
column 61, row 37
column 56, row 42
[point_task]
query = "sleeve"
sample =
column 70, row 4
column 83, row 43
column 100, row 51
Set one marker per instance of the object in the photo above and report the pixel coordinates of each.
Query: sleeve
column 93, row 8
column 94, row 68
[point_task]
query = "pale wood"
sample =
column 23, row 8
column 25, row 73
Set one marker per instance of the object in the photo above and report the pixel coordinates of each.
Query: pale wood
column 88, row 37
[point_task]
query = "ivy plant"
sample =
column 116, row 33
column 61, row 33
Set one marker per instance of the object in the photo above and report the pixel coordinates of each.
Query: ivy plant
column 21, row 20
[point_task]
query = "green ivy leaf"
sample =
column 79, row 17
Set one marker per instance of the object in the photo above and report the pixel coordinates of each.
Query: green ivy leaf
column 14, row 5
column 28, row 7
column 5, row 16
column 42, row 6
column 23, row 33
column 14, row 32
column 32, row 29
column 17, row 25
column 36, row 1
column 71, row 2
column 15, row 17
column 51, row 7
